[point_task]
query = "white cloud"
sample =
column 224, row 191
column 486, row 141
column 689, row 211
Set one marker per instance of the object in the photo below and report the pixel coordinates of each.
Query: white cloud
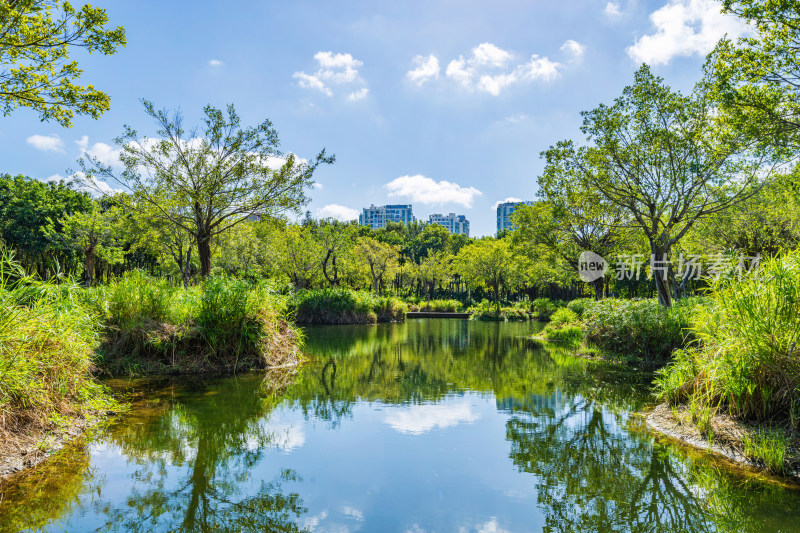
column 487, row 527
column 316, row 185
column 574, row 50
column 307, row 81
column 517, row 117
column 509, row 199
column 685, row 28
column 104, row 153
column 46, row 143
column 334, row 69
column 487, row 69
column 419, row 419
column 358, row 95
column 427, row 69
column 215, row 63
column 612, row 10
column 339, row 212
column 352, row 512
column 427, row 191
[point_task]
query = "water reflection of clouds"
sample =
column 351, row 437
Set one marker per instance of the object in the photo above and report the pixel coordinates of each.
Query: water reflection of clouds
column 284, row 437
column 491, row 526
column 419, row 419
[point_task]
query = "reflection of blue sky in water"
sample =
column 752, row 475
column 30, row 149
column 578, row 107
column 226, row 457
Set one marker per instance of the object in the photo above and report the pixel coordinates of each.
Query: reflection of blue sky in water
column 420, row 427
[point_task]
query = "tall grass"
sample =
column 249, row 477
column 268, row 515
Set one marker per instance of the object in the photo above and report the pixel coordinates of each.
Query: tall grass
column 436, row 306
column 640, row 330
column 747, row 363
column 47, row 343
column 221, row 325
column 345, row 306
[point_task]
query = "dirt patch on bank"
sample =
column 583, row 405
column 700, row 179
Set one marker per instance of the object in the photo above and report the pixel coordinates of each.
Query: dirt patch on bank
column 727, row 436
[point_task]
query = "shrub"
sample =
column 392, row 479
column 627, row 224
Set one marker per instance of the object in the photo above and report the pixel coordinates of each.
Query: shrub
column 440, row 306
column 47, row 343
column 570, row 335
column 486, row 310
column 747, row 362
column 345, row 306
column 221, row 325
column 563, row 316
column 543, row 308
column 579, row 305
column 639, row 329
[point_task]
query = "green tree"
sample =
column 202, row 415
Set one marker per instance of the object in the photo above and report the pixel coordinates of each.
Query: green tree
column 297, row 254
column 206, row 183
column 36, row 37
column 489, row 263
column 432, row 270
column 381, row 259
column 570, row 218
column 667, row 160
column 95, row 234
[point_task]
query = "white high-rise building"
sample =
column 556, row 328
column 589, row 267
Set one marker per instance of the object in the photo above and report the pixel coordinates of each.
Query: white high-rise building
column 455, row 224
column 377, row 217
column 504, row 211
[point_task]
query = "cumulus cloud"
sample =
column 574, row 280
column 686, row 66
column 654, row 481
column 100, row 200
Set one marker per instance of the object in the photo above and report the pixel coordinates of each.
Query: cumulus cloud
column 215, row 63
column 104, row 153
column 488, row 69
column 425, row 190
column 46, row 143
column 509, row 199
column 685, row 28
column 612, row 10
column 574, row 50
column 334, row 69
column 419, row 419
column 427, row 68
column 358, row 95
column 339, row 212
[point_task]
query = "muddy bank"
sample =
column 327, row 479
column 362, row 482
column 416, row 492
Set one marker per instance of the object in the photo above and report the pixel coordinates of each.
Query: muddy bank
column 727, row 437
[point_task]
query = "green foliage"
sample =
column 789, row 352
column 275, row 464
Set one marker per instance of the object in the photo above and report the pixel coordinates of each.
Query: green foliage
column 206, row 183
column 488, row 311
column 47, row 343
column 543, row 308
column 439, row 306
column 36, row 37
column 747, row 362
column 640, row 330
column 579, row 305
column 222, row 324
column 345, row 306
column 768, row 447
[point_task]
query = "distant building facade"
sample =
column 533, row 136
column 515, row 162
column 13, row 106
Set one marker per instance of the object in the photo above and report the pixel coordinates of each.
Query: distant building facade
column 377, row 217
column 455, row 224
column 504, row 211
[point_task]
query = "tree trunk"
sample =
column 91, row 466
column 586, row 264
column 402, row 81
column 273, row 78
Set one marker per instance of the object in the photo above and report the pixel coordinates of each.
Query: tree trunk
column 598, row 285
column 658, row 270
column 88, row 263
column 204, row 252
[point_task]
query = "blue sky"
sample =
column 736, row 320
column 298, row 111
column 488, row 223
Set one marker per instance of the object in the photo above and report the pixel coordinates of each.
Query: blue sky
column 445, row 105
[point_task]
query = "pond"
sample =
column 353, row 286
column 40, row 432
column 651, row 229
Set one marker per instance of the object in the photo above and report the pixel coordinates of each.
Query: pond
column 431, row 425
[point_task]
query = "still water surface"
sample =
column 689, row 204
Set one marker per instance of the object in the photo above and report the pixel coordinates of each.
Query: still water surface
column 431, row 425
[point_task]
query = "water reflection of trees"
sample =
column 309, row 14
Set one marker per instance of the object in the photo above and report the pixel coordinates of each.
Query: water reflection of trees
column 214, row 436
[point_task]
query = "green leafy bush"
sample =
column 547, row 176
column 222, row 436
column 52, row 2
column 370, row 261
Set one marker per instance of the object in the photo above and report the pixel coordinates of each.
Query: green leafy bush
column 641, row 330
column 345, row 306
column 543, row 308
column 579, row 305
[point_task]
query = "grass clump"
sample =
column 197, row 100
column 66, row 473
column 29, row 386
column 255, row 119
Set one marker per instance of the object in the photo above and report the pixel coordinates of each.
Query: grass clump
column 747, row 363
column 47, row 343
column 488, row 311
column 564, row 328
column 579, row 305
column 640, row 330
column 345, row 306
column 768, row 447
column 543, row 308
column 220, row 325
column 437, row 306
